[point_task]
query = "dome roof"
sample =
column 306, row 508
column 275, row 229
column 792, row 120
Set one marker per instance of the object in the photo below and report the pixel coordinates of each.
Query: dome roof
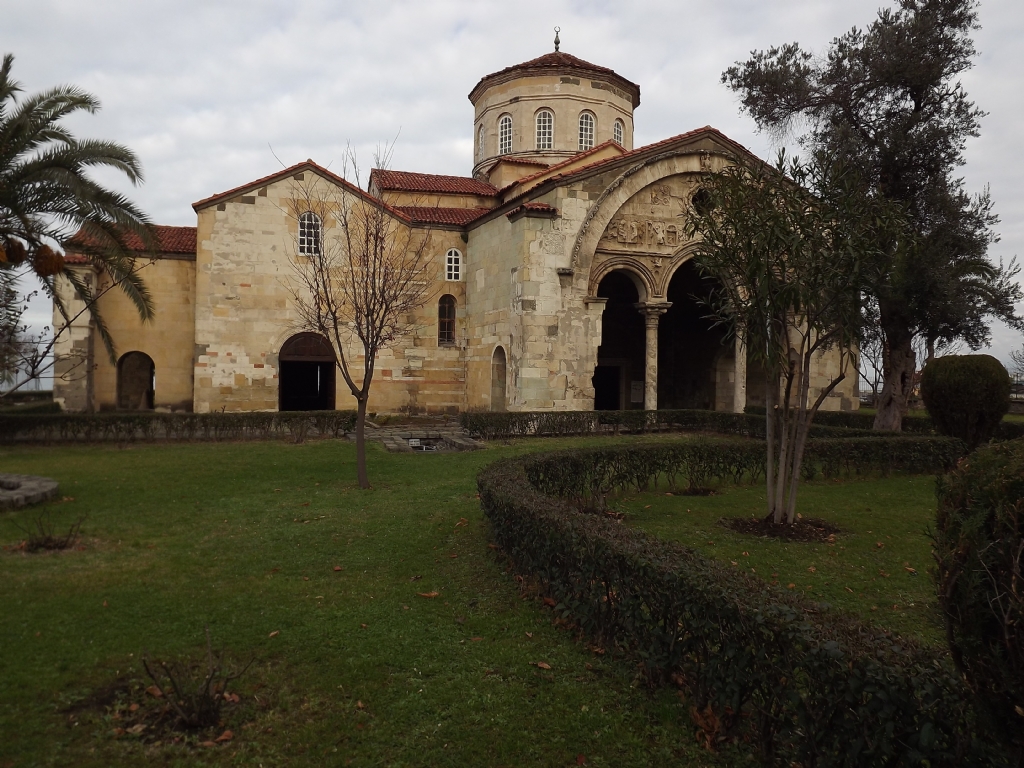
column 557, row 63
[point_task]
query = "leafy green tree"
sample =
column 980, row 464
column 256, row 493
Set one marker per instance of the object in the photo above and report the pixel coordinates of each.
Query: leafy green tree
column 47, row 198
column 888, row 101
column 793, row 247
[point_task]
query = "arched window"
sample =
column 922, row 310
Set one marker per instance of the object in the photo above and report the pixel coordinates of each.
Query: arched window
column 310, row 233
column 480, row 143
column 586, row 131
column 453, row 265
column 446, row 320
column 545, row 129
column 505, row 134
column 617, row 132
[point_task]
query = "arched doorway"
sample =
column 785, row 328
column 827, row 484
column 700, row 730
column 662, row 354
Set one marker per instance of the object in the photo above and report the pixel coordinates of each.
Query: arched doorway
column 693, row 352
column 136, row 382
column 307, row 370
column 499, row 374
column 619, row 375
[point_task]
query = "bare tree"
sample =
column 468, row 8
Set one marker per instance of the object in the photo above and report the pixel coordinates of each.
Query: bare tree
column 362, row 273
column 1017, row 361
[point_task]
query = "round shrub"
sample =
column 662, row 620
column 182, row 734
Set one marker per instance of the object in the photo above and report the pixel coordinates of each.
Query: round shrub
column 979, row 551
column 966, row 396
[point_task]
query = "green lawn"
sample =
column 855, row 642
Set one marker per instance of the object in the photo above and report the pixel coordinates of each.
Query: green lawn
column 245, row 538
column 878, row 568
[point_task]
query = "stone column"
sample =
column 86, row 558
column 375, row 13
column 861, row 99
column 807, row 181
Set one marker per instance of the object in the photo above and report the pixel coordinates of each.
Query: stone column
column 739, row 385
column 651, row 312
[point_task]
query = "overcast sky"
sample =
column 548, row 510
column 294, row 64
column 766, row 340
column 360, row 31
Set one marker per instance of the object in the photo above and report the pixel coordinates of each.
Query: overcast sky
column 204, row 91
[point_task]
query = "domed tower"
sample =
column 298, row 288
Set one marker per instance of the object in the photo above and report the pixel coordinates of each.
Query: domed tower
column 543, row 111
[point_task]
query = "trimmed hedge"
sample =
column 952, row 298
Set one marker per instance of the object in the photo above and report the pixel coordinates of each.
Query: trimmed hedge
column 979, row 553
column 586, row 476
column 966, row 396
column 133, row 427
column 503, row 426
column 801, row 683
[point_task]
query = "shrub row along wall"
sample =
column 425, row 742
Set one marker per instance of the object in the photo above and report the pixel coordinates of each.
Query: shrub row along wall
column 497, row 426
column 803, row 684
column 587, row 476
column 132, row 427
column 1007, row 430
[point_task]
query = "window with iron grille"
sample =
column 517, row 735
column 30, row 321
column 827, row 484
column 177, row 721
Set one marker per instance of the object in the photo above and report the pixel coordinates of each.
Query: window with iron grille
column 617, row 132
column 586, row 131
column 453, row 265
column 310, row 233
column 446, row 320
column 480, row 143
column 505, row 135
column 545, row 129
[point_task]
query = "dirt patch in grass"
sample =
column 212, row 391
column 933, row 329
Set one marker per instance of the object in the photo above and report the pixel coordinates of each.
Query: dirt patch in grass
column 804, row 529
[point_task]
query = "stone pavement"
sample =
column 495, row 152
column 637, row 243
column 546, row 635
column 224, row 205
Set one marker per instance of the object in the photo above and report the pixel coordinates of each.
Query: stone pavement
column 410, row 438
column 21, row 490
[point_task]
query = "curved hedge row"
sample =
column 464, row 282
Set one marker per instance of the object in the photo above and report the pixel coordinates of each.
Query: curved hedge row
column 133, row 427
column 803, row 684
column 586, row 476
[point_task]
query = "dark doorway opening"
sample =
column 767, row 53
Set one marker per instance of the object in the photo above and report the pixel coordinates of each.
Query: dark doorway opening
column 692, row 348
column 620, row 358
column 136, row 382
column 307, row 370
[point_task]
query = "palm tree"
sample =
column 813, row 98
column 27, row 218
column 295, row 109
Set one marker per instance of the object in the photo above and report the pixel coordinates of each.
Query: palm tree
column 47, row 198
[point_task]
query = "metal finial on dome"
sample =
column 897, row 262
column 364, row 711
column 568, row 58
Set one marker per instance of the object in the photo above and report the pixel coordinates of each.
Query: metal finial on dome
column 557, row 41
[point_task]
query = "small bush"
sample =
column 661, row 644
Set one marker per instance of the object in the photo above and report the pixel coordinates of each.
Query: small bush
column 44, row 535
column 979, row 551
column 966, row 396
column 194, row 691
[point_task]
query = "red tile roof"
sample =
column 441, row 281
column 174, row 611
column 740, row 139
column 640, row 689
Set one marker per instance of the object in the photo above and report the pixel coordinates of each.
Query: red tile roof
column 568, row 161
column 436, row 215
column 556, row 63
column 526, row 208
column 169, row 240
column 405, row 181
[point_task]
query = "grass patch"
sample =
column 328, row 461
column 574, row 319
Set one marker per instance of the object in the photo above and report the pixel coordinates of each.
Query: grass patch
column 878, row 567
column 273, row 547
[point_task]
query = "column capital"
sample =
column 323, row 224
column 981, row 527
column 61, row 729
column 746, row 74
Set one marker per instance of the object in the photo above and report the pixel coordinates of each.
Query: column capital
column 652, row 310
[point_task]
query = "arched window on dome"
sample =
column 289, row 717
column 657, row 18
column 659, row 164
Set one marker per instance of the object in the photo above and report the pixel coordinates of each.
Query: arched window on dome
column 586, row 131
column 446, row 320
column 310, row 234
column 617, row 131
column 545, row 129
column 505, row 134
column 480, row 143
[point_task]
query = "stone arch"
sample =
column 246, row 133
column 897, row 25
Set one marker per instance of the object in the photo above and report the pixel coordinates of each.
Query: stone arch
column 136, row 382
column 633, row 268
column 307, row 371
column 629, row 183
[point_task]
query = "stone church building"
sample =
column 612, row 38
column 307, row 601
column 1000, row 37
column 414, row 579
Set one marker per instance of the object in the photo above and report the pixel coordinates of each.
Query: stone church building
column 561, row 278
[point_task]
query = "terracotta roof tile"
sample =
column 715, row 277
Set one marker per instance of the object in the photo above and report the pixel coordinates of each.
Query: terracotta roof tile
column 568, row 161
column 436, row 215
column 549, row 63
column 169, row 239
column 405, row 181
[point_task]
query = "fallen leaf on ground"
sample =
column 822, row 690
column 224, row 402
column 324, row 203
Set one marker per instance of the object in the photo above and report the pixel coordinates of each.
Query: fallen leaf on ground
column 475, row 639
column 207, row 744
column 363, row 626
column 462, row 521
column 879, row 544
column 338, row 568
column 234, row 698
column 305, row 578
column 155, row 692
column 453, row 555
column 133, row 707
column 581, row 759
column 543, row 665
column 529, row 634
column 137, row 729
column 812, row 569
column 360, row 705
column 492, row 546
column 275, row 633
column 550, row 601
column 791, row 586
column 428, row 594
column 848, row 590
column 226, row 736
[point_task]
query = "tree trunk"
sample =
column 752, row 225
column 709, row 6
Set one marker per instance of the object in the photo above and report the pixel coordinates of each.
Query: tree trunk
column 361, row 475
column 894, row 400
